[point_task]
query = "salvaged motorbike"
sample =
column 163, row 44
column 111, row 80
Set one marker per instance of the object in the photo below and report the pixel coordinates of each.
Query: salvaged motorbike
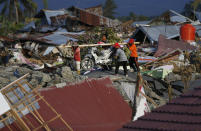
column 96, row 58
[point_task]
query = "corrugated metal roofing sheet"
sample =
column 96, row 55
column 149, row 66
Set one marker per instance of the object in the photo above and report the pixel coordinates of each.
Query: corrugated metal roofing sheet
column 59, row 37
column 136, row 23
column 91, row 18
column 153, row 32
column 92, row 105
column 177, row 19
column 50, row 13
column 181, row 114
column 198, row 30
column 170, row 31
column 29, row 27
column 166, row 46
column 45, row 29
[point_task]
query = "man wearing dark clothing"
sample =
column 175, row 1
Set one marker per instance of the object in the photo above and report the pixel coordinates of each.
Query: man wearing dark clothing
column 133, row 60
column 121, row 59
column 133, row 63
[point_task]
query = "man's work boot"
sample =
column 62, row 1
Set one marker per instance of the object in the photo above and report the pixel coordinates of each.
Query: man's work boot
column 78, row 72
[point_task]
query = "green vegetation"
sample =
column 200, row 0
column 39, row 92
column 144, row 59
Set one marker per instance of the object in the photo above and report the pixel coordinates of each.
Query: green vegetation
column 45, row 3
column 108, row 9
column 15, row 14
column 95, row 35
column 191, row 6
column 134, row 17
column 17, row 10
column 9, row 27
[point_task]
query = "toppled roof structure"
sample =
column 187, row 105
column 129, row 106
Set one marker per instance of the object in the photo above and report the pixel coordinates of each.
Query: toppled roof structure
column 93, row 19
column 91, row 105
column 180, row 114
column 165, row 46
column 169, row 17
column 47, row 15
column 21, row 109
column 152, row 32
column 59, row 37
column 96, row 10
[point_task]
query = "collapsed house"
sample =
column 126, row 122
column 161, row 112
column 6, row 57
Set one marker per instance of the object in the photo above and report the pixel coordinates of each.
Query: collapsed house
column 169, row 17
column 40, row 45
column 46, row 37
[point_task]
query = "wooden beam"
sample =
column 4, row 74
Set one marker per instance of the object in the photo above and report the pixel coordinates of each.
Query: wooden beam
column 57, row 114
column 14, row 82
column 149, row 99
column 22, row 124
column 94, row 45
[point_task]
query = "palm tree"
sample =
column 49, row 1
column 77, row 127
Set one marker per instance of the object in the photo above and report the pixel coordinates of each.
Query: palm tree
column 17, row 8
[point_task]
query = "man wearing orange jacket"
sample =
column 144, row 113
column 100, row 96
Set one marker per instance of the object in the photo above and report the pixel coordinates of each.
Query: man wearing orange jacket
column 133, row 60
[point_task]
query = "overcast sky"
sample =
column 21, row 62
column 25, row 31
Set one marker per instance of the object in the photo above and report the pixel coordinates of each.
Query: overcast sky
column 140, row 7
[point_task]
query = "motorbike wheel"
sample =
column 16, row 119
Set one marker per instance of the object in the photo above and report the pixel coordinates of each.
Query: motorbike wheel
column 87, row 63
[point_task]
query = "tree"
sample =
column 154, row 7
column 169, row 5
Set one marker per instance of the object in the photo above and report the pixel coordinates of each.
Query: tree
column 142, row 18
column 45, row 3
column 196, row 4
column 15, row 8
column 108, row 9
column 132, row 16
column 190, row 7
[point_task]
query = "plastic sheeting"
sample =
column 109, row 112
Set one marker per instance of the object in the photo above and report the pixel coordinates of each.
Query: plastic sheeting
column 4, row 105
column 142, row 105
column 141, row 102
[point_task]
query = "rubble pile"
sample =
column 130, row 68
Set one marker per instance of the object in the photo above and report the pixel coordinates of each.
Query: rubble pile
column 39, row 78
column 168, row 63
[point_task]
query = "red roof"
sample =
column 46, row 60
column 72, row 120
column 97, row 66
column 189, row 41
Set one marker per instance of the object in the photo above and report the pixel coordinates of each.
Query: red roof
column 93, row 105
column 165, row 46
column 181, row 114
